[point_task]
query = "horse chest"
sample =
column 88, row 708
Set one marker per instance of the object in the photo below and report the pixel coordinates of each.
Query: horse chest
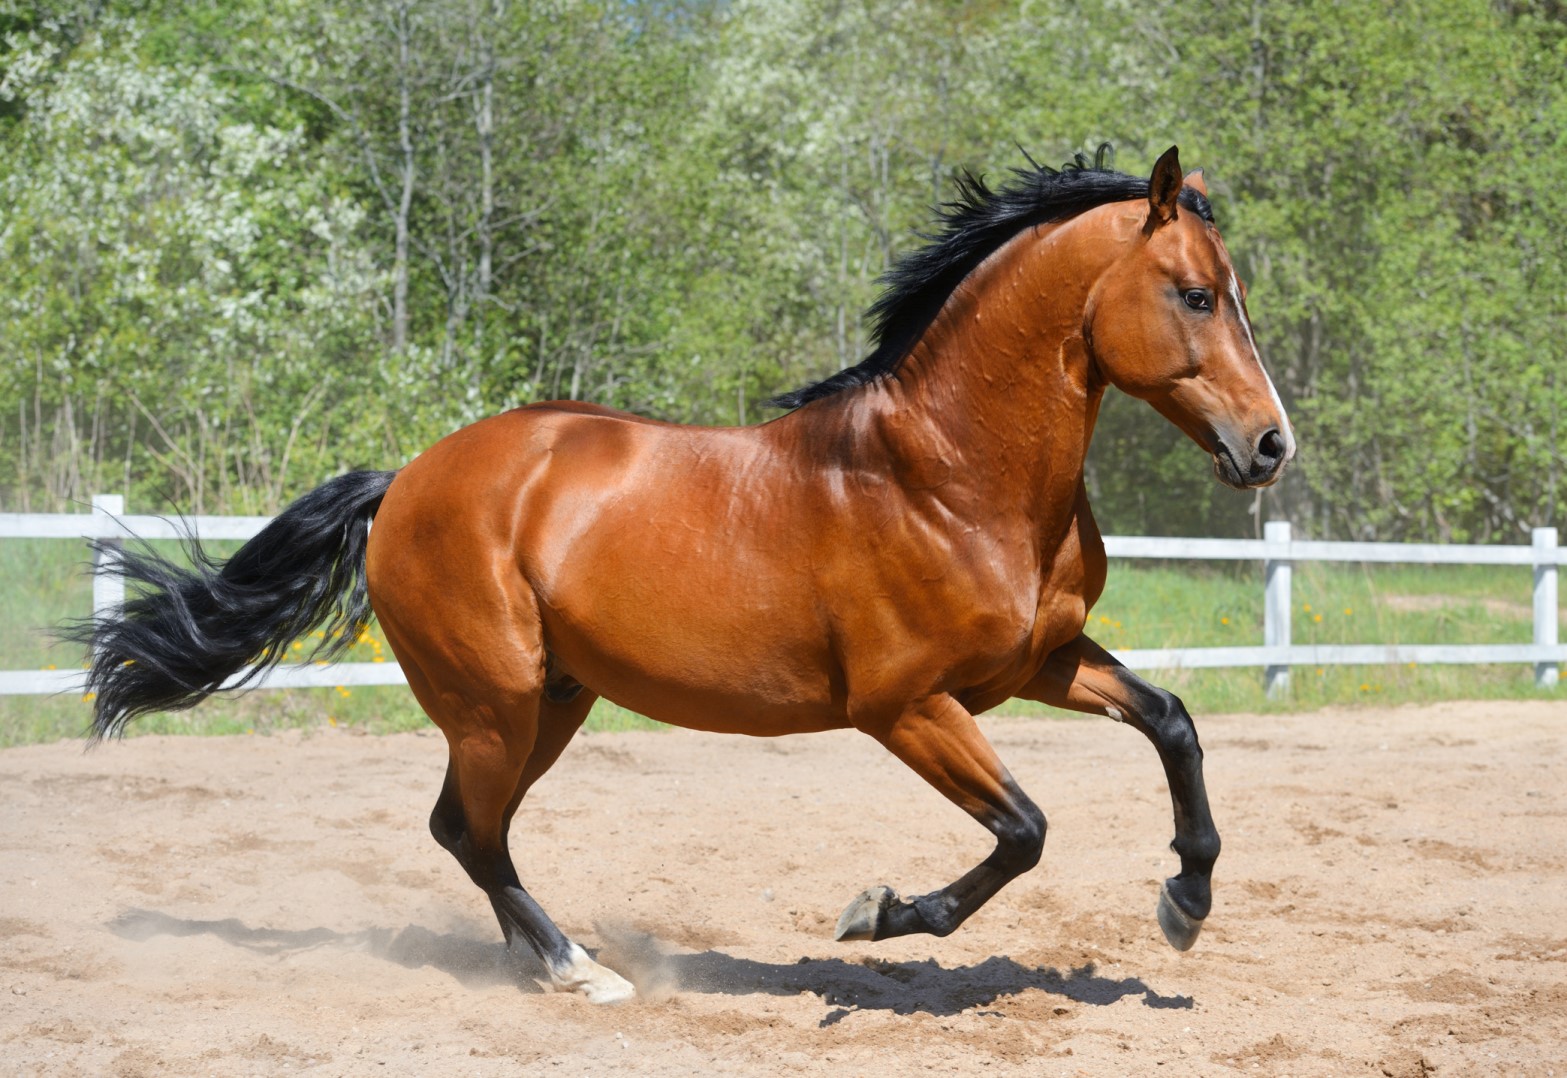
column 1070, row 582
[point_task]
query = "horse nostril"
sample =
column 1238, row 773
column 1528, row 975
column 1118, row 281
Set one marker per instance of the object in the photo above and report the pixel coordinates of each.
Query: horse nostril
column 1271, row 445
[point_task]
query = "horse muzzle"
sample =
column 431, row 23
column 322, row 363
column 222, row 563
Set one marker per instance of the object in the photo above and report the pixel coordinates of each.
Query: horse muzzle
column 1259, row 464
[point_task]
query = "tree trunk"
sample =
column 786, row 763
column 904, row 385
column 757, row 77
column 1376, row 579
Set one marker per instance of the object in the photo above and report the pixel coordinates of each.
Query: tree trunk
column 406, row 171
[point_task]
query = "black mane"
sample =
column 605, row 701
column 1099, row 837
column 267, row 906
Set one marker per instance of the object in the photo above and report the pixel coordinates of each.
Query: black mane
column 970, row 229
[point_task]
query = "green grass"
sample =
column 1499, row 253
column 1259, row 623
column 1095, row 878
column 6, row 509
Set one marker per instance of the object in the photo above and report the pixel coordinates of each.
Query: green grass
column 1159, row 605
column 1146, row 605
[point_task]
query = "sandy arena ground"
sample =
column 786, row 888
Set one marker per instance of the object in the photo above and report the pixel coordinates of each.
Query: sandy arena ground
column 1392, row 900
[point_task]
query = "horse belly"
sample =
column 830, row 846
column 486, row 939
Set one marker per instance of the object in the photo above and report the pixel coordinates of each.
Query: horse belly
column 694, row 618
column 728, row 668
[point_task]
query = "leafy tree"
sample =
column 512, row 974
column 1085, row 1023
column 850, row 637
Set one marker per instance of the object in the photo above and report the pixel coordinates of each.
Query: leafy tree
column 252, row 243
column 174, row 273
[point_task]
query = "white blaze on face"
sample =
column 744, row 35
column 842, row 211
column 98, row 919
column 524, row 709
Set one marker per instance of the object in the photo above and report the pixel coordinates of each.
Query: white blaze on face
column 1278, row 405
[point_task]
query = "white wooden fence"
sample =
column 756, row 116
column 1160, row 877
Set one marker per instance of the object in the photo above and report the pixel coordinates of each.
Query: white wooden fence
column 1278, row 550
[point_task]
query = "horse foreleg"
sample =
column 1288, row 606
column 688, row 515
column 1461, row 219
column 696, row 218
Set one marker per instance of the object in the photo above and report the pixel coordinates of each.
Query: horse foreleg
column 940, row 741
column 1082, row 676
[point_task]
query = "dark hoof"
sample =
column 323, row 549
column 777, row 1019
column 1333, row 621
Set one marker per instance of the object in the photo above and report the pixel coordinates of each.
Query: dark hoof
column 865, row 915
column 1180, row 927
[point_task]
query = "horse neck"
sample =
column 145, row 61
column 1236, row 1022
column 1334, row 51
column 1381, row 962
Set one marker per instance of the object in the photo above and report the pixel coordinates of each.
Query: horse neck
column 999, row 396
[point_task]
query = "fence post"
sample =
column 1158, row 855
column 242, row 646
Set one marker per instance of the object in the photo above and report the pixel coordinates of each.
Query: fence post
column 1546, row 626
column 108, row 591
column 1277, row 608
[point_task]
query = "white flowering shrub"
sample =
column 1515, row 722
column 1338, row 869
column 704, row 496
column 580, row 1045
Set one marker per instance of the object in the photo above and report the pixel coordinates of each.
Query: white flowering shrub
column 182, row 274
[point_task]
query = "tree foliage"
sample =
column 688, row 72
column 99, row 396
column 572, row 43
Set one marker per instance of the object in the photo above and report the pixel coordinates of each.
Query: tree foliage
column 250, row 244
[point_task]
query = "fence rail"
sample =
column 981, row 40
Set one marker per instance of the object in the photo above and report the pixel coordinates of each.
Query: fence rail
column 1277, row 550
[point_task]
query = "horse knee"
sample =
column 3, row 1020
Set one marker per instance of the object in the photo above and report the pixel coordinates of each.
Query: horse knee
column 1020, row 839
column 1180, row 741
column 1171, row 725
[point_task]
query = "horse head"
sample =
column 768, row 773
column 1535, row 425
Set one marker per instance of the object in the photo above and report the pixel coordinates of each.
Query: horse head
column 1167, row 324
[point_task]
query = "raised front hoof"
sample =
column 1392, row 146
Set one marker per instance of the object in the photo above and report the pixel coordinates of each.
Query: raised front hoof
column 866, row 915
column 1180, row 927
column 595, row 983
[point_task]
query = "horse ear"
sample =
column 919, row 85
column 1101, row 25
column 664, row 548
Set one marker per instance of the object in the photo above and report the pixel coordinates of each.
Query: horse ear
column 1164, row 187
column 1196, row 181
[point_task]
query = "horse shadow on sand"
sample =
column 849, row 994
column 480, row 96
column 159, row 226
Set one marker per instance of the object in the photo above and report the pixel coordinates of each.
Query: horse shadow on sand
column 912, row 987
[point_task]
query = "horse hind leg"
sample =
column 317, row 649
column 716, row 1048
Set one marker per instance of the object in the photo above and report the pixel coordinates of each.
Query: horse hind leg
column 497, row 751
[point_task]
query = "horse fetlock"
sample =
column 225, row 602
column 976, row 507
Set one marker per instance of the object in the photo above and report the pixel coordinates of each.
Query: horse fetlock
column 1198, row 853
column 580, row 974
column 866, row 917
column 1179, row 924
column 936, row 912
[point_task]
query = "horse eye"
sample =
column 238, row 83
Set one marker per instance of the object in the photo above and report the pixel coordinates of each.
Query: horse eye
column 1197, row 299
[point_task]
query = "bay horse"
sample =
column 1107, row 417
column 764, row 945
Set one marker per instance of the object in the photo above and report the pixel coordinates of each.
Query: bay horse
column 908, row 546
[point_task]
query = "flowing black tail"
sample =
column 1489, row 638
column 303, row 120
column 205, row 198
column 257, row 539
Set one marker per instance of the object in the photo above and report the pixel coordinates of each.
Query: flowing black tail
column 184, row 632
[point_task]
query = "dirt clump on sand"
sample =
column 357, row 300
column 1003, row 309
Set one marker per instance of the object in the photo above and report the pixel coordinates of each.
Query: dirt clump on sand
column 1392, row 900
